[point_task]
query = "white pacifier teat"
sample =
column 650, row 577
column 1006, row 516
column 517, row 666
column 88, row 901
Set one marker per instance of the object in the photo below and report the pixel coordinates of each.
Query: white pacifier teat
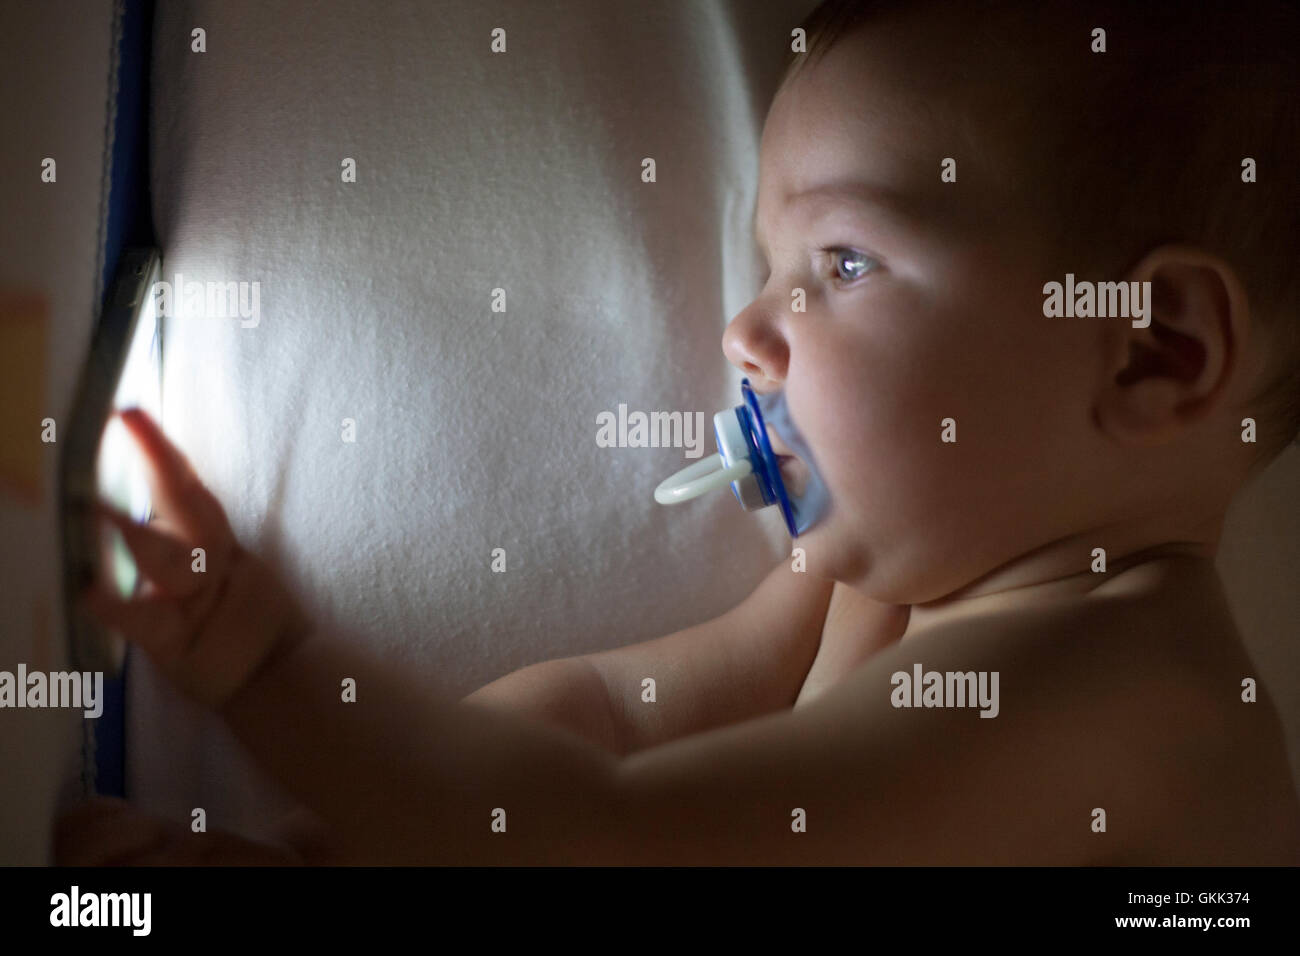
column 746, row 462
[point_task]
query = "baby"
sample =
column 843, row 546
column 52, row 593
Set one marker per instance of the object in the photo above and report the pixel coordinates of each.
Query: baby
column 1010, row 644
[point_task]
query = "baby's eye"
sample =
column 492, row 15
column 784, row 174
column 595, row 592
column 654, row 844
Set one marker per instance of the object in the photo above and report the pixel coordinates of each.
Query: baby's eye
column 849, row 264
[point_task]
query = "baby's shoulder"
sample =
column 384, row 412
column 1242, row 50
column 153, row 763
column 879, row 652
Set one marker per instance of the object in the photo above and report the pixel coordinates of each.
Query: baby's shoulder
column 1174, row 728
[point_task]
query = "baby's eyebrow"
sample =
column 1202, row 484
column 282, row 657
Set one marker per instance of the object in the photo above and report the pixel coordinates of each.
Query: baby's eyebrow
column 866, row 195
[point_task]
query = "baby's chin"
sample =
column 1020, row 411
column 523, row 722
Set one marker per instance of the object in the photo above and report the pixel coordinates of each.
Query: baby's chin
column 794, row 474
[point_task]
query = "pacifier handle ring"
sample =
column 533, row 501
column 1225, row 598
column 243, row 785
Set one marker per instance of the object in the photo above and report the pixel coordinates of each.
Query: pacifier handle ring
column 700, row 478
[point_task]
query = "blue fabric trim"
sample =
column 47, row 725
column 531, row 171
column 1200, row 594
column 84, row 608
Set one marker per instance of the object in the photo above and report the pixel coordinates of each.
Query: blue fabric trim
column 130, row 223
column 130, row 218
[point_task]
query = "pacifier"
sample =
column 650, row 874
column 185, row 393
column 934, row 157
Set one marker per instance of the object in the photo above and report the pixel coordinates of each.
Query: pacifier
column 745, row 461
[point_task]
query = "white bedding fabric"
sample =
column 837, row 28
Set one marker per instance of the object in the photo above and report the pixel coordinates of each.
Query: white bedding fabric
column 474, row 430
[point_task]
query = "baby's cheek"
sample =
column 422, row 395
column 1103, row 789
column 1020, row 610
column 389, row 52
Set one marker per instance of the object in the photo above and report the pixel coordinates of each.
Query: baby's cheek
column 915, row 479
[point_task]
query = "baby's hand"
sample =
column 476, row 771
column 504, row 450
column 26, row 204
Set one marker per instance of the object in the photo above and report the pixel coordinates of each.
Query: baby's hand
column 208, row 631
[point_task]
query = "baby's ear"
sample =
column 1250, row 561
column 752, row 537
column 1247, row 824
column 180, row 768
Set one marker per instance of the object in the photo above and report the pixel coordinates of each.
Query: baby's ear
column 1175, row 361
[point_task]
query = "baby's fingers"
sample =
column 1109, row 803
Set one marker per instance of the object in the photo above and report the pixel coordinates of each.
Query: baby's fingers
column 157, row 624
column 180, row 497
column 164, row 560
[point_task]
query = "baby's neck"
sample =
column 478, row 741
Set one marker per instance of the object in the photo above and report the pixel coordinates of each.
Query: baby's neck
column 1042, row 580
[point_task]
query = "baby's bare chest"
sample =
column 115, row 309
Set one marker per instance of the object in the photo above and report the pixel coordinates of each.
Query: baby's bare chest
column 855, row 629
column 1217, row 787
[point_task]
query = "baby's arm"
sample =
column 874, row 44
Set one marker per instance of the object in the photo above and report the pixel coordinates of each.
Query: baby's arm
column 398, row 777
column 742, row 664
column 404, row 779
column 568, row 693
column 401, row 778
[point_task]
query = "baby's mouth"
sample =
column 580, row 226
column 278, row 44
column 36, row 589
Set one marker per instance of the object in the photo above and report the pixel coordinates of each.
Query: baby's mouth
column 793, row 471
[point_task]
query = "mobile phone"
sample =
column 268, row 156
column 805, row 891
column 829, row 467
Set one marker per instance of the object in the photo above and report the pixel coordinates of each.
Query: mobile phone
column 98, row 459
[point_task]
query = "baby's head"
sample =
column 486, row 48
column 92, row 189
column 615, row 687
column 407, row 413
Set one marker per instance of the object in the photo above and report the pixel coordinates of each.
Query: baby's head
column 926, row 169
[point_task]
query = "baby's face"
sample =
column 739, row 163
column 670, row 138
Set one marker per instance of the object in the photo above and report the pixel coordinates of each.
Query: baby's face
column 923, row 302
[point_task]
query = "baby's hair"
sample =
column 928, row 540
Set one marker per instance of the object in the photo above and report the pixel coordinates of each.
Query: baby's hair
column 1143, row 144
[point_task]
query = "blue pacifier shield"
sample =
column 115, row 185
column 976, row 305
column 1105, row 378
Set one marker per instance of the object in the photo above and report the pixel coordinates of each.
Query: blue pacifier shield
column 800, row 511
column 746, row 462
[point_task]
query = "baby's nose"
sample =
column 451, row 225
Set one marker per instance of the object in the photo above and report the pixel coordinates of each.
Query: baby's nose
column 757, row 348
